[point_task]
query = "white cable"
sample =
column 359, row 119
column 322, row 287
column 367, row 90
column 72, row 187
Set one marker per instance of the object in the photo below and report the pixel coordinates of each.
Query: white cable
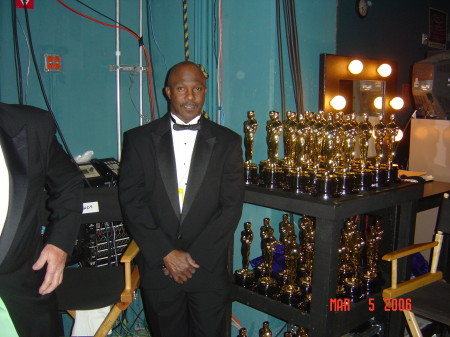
column 29, row 62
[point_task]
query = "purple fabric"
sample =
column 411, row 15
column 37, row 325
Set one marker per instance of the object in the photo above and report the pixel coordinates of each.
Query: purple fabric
column 278, row 260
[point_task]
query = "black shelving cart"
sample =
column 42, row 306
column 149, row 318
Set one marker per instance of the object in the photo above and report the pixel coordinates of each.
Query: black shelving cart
column 396, row 205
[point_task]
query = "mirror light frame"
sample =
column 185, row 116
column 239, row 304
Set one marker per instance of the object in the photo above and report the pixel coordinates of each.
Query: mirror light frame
column 334, row 68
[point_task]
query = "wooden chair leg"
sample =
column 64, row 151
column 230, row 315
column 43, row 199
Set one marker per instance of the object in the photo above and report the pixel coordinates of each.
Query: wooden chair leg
column 412, row 323
column 108, row 322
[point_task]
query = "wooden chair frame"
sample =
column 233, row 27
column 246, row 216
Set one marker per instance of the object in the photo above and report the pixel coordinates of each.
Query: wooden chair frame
column 128, row 294
column 405, row 287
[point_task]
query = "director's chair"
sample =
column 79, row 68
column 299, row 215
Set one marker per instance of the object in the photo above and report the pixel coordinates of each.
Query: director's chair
column 92, row 288
column 87, row 288
column 428, row 294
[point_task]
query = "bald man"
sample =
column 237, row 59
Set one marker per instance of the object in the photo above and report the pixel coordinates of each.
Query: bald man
column 181, row 191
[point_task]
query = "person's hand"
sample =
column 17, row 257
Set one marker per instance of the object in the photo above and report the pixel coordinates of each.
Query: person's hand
column 179, row 265
column 55, row 258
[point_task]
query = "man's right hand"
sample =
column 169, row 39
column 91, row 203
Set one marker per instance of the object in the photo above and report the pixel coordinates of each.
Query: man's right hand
column 180, row 265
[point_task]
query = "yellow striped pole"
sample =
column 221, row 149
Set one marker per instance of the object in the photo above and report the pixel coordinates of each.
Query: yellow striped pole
column 186, row 32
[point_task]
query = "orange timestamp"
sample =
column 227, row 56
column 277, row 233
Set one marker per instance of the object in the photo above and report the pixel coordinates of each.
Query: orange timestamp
column 390, row 304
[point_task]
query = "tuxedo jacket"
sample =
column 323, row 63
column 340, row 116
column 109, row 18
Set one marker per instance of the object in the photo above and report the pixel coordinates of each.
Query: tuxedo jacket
column 212, row 207
column 40, row 172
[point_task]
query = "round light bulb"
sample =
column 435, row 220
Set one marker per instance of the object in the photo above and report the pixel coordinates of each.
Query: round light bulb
column 396, row 103
column 384, row 70
column 378, row 102
column 399, row 136
column 355, row 67
column 338, row 102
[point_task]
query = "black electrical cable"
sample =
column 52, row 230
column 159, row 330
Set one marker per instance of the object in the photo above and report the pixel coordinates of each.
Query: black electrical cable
column 141, row 44
column 297, row 49
column 149, row 16
column 137, row 315
column 105, row 16
column 38, row 73
column 292, row 49
column 288, row 27
column 280, row 61
column 149, row 43
column 293, row 52
column 49, row 108
column 17, row 62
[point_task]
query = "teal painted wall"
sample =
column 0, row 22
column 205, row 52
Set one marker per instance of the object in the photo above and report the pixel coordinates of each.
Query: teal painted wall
column 83, row 94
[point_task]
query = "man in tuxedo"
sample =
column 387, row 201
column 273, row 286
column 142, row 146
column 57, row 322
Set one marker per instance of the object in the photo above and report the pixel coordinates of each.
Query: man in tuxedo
column 181, row 191
column 34, row 170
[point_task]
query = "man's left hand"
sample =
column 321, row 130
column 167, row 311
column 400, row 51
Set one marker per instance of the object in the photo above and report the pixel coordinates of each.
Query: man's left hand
column 55, row 258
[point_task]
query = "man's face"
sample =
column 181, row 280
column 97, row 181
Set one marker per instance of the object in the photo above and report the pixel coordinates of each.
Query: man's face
column 186, row 90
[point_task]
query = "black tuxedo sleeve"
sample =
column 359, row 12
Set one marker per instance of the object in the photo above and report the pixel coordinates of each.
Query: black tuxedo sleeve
column 134, row 201
column 64, row 185
column 212, row 244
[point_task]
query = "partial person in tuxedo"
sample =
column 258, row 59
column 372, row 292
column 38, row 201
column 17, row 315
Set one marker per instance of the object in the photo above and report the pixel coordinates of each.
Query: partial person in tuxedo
column 34, row 169
column 181, row 190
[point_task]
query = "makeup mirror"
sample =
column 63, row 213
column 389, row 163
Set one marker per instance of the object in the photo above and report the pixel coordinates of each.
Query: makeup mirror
column 368, row 85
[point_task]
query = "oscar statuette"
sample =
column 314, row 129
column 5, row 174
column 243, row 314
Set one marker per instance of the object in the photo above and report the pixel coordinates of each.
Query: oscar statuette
column 270, row 170
column 380, row 170
column 245, row 277
column 392, row 130
column 299, row 178
column 290, row 142
column 287, row 238
column 305, row 261
column 266, row 284
column 364, row 176
column 349, row 276
column 372, row 276
column 290, row 292
column 242, row 332
column 265, row 330
column 346, row 177
column 325, row 180
column 250, row 169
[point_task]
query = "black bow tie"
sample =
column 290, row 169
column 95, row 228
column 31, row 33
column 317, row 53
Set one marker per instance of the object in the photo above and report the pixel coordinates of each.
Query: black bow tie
column 178, row 127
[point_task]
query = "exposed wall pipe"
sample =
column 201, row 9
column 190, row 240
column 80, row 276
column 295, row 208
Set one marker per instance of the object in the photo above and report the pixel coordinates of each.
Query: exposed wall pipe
column 141, row 70
column 118, row 111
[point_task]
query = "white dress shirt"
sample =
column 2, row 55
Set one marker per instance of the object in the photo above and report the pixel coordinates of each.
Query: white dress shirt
column 183, row 145
column 4, row 190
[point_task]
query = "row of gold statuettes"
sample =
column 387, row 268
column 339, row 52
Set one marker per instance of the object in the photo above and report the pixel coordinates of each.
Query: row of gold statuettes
column 359, row 273
column 266, row 332
column 320, row 153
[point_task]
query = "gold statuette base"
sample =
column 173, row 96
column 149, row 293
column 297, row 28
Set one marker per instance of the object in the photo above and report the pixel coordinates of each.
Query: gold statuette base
column 244, row 278
column 251, row 174
column 268, row 287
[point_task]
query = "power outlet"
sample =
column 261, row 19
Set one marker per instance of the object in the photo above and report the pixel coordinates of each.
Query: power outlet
column 52, row 62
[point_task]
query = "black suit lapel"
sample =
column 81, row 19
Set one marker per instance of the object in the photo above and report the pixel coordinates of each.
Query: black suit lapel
column 201, row 156
column 166, row 162
column 15, row 151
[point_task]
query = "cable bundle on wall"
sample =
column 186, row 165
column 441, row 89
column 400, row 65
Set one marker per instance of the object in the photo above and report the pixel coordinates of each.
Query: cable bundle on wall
column 280, row 60
column 118, row 25
column 19, row 72
column 17, row 53
column 293, row 52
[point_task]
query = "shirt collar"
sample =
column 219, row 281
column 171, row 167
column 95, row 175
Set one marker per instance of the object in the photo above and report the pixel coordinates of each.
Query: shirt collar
column 179, row 121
